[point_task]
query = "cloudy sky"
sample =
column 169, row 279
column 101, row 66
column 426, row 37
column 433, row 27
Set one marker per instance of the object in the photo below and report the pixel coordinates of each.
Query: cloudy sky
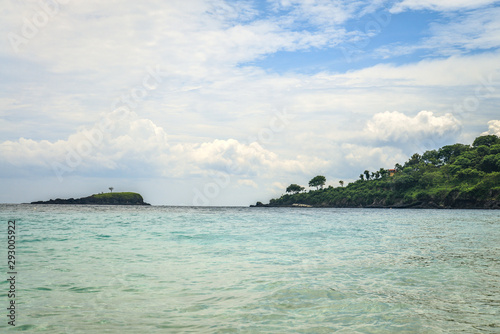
column 212, row 102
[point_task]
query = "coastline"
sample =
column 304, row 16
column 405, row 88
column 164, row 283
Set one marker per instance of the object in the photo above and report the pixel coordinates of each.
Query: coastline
column 487, row 205
column 452, row 177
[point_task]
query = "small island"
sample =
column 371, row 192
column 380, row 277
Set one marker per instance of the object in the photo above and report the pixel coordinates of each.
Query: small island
column 123, row 198
column 453, row 177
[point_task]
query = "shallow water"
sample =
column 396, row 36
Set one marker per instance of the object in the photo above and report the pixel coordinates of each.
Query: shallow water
column 110, row 269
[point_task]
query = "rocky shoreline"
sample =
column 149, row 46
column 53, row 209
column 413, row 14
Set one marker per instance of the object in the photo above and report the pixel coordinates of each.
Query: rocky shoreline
column 484, row 205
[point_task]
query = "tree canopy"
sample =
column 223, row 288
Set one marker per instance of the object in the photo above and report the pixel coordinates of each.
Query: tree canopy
column 488, row 140
column 294, row 188
column 317, row 181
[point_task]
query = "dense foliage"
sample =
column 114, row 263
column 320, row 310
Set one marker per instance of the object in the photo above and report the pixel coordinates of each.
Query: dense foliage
column 294, row 188
column 317, row 181
column 124, row 198
column 121, row 197
column 456, row 175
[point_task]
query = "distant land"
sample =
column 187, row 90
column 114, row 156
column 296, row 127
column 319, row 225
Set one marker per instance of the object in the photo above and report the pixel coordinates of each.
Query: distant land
column 453, row 177
column 123, row 198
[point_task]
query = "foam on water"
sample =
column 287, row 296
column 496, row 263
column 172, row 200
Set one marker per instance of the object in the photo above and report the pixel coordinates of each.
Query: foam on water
column 91, row 269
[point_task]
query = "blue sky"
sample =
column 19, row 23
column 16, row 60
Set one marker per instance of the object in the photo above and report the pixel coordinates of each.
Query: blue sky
column 211, row 102
column 373, row 31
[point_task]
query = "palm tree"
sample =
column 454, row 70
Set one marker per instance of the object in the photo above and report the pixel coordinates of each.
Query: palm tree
column 111, row 189
column 341, row 183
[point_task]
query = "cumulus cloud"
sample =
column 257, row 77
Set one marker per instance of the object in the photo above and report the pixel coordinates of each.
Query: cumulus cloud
column 232, row 157
column 397, row 127
column 390, row 137
column 118, row 138
column 493, row 128
column 128, row 145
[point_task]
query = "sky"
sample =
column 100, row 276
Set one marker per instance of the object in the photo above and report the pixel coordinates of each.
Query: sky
column 212, row 102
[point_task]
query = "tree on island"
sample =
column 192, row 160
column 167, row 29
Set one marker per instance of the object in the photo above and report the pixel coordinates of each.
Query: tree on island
column 367, row 174
column 294, row 188
column 111, row 189
column 341, row 183
column 317, row 181
column 361, row 177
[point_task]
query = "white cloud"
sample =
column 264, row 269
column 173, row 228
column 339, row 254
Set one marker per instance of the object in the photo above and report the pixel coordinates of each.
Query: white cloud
column 479, row 29
column 116, row 138
column 279, row 185
column 248, row 183
column 361, row 157
column 194, row 35
column 462, row 33
column 396, row 127
column 439, row 5
column 276, row 188
column 452, row 71
column 391, row 137
column 321, row 12
column 493, row 128
column 125, row 144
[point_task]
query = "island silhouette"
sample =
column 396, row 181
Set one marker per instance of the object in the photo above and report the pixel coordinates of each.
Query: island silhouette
column 122, row 198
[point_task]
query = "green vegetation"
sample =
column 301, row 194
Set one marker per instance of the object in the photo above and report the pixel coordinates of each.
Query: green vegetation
column 454, row 176
column 317, row 181
column 294, row 188
column 123, row 197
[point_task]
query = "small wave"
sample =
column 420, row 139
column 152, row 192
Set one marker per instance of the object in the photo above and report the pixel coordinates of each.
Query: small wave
column 89, row 289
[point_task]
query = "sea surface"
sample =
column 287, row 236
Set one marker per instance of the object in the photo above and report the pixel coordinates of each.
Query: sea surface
column 116, row 269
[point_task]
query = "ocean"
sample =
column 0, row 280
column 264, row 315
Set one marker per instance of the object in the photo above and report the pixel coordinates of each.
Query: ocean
column 119, row 269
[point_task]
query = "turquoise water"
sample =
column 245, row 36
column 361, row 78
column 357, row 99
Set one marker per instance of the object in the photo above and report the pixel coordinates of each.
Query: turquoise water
column 99, row 269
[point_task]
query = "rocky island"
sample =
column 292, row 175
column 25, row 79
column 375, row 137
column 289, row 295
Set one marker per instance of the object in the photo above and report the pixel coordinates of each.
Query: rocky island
column 452, row 177
column 123, row 198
